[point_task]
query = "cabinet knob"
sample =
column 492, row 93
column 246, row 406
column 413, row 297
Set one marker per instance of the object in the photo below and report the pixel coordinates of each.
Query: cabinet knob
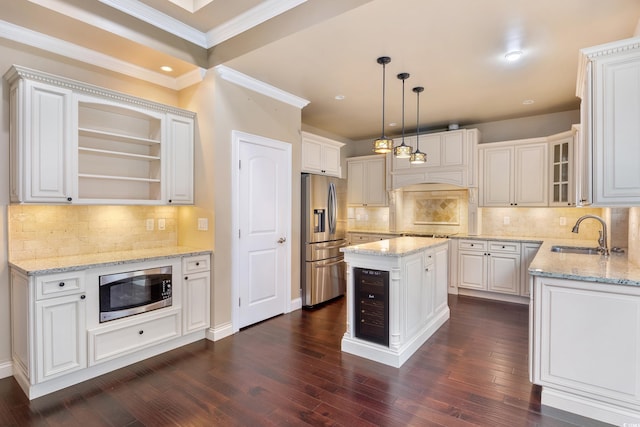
column 170, row 200
column 502, row 246
column 83, row 296
column 61, row 284
column 426, row 269
column 69, row 199
column 140, row 332
column 197, row 264
column 186, row 277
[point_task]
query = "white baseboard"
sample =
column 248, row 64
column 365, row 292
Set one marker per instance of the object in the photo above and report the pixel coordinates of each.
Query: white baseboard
column 6, row 369
column 296, row 304
column 220, row 331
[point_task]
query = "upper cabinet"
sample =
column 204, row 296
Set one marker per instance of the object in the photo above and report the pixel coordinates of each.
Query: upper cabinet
column 320, row 155
column 561, row 165
column 609, row 87
column 76, row 143
column 514, row 173
column 366, row 181
column 450, row 160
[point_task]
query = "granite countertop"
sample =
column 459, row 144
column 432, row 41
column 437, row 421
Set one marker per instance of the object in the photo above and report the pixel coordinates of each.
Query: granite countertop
column 34, row 267
column 615, row 269
column 397, row 247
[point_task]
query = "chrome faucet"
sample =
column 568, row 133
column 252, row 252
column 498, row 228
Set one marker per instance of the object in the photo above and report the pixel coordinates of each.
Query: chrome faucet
column 602, row 240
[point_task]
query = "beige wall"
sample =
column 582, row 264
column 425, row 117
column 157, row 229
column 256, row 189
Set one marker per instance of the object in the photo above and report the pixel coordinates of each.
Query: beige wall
column 223, row 107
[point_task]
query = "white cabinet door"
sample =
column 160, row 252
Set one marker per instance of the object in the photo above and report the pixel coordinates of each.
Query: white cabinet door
column 42, row 143
column 441, row 278
column 530, row 175
column 195, row 303
column 366, row 181
column 616, row 108
column 514, row 175
column 497, row 179
column 415, row 294
column 472, row 273
column 561, row 175
column 60, row 336
column 504, row 273
column 320, row 155
column 453, row 149
column 180, row 157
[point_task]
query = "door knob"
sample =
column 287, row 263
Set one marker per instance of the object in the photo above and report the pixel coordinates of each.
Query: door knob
column 282, row 240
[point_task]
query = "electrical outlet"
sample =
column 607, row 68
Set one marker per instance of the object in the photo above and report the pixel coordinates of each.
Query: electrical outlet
column 563, row 220
column 149, row 224
column 507, row 220
column 203, row 224
column 161, row 224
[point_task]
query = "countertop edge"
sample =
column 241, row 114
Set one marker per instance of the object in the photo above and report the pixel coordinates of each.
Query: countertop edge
column 383, row 248
column 35, row 267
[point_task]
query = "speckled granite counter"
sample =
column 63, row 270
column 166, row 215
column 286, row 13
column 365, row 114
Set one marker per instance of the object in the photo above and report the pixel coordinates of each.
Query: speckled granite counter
column 34, row 267
column 615, row 269
column 397, row 247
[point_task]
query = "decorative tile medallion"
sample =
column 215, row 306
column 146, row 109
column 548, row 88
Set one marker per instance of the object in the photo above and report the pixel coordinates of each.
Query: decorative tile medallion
column 440, row 210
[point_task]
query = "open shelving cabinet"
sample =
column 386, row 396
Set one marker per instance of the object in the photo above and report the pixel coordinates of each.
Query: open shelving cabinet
column 120, row 152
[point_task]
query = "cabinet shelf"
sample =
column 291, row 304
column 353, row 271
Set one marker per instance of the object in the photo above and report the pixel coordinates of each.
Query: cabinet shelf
column 112, row 136
column 117, row 154
column 117, row 178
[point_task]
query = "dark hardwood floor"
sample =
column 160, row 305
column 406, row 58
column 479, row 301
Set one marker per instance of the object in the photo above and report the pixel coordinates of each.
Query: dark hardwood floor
column 289, row 370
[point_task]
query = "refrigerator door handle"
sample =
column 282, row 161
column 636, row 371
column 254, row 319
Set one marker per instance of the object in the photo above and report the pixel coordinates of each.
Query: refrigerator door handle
column 332, row 207
column 329, row 264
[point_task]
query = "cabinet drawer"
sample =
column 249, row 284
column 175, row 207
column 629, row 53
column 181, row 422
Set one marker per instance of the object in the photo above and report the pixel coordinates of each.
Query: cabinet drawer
column 360, row 238
column 474, row 245
column 110, row 342
column 56, row 285
column 511, row 247
column 196, row 264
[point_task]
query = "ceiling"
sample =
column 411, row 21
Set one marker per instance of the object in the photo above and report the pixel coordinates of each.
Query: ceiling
column 318, row 49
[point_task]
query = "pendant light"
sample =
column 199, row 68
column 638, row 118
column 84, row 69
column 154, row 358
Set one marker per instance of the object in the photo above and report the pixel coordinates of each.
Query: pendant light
column 402, row 151
column 383, row 144
column 418, row 157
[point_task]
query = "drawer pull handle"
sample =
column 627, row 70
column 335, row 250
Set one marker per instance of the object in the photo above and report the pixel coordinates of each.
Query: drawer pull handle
column 83, row 296
column 502, row 246
column 61, row 284
column 141, row 332
column 197, row 264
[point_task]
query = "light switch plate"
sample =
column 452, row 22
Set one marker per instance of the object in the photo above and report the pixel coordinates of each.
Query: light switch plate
column 149, row 224
column 161, row 224
column 203, row 224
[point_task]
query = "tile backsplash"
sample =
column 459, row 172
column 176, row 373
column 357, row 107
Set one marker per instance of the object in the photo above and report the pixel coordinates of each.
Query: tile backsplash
column 52, row 231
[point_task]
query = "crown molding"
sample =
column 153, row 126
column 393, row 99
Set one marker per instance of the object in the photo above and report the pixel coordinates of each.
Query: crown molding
column 249, row 19
column 158, row 19
column 63, row 48
column 236, row 77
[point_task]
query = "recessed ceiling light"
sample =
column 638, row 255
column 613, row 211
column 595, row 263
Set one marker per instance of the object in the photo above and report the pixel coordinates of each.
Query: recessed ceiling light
column 166, row 68
column 528, row 102
column 339, row 97
column 513, row 56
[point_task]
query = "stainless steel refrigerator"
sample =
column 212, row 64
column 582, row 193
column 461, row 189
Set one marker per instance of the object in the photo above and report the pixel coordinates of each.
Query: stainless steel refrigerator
column 323, row 233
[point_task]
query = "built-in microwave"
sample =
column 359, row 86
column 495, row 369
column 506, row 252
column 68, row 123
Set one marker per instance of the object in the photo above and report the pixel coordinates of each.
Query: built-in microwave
column 134, row 292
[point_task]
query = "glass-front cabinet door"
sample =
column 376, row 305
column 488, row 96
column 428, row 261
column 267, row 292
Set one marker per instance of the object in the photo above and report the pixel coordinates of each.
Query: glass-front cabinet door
column 561, row 180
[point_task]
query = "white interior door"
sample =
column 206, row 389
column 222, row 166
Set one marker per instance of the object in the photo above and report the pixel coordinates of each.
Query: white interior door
column 264, row 221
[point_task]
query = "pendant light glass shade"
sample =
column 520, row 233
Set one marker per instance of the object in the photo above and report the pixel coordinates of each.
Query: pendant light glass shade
column 418, row 157
column 402, row 151
column 383, row 144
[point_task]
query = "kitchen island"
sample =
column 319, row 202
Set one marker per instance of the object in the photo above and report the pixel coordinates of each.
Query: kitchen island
column 396, row 296
column 585, row 333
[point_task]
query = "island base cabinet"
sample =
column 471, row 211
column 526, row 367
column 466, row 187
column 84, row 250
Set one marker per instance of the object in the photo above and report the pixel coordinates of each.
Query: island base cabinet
column 585, row 348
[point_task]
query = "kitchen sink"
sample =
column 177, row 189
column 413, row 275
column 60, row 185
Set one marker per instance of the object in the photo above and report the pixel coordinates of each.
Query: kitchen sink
column 575, row 250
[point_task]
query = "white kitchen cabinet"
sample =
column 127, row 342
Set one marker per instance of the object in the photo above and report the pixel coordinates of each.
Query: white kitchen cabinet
column 584, row 343
column 514, row 173
column 321, row 155
column 196, row 287
column 450, row 159
column 49, row 316
column 489, row 266
column 529, row 251
column 609, row 85
column 76, row 143
column 366, row 181
column 561, row 174
column 40, row 143
column 180, row 159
